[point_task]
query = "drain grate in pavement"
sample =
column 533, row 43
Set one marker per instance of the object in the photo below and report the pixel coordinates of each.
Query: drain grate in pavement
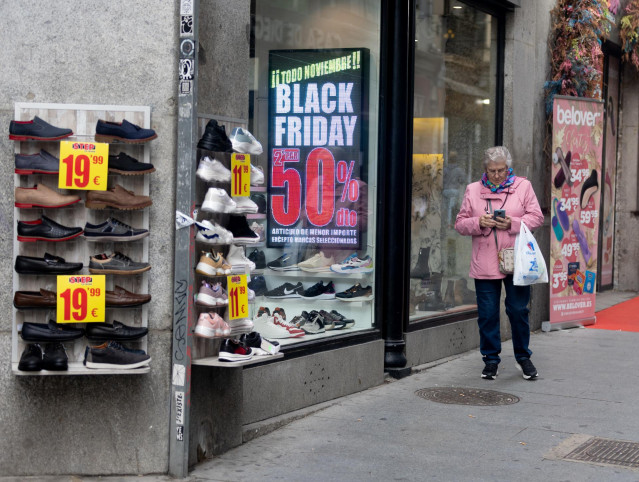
column 466, row 396
column 605, row 451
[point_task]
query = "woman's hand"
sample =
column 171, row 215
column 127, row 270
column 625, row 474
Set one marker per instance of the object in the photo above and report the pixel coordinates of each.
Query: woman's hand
column 487, row 221
column 503, row 224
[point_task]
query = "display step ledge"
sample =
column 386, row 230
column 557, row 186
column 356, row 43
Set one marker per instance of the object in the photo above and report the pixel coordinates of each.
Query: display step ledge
column 77, row 368
column 213, row 361
column 311, row 274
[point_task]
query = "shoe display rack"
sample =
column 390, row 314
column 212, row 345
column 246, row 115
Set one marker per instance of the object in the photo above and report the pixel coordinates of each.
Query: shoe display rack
column 82, row 120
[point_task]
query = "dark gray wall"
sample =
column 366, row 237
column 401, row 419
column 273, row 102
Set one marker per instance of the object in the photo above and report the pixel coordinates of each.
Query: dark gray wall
column 91, row 52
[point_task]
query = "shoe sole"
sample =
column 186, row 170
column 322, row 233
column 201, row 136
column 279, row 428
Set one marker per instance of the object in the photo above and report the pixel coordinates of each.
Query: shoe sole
column 112, row 139
column 353, row 270
column 128, row 305
column 233, row 357
column 325, row 269
column 208, row 300
column 208, row 176
column 26, row 172
column 314, row 332
column 119, row 271
column 52, row 271
column 35, row 138
column 287, row 268
column 359, row 298
column 214, row 240
column 33, row 239
column 34, row 307
column 208, row 333
column 526, row 377
column 489, row 377
column 106, row 205
column 206, row 270
column 277, row 297
column 115, row 238
column 216, row 207
column 132, row 173
column 245, row 240
column 323, row 296
column 118, row 367
column 240, row 269
column 49, row 206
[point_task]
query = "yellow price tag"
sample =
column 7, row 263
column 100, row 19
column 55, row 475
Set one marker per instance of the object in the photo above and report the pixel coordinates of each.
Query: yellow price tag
column 83, row 165
column 238, row 296
column 241, row 175
column 81, row 299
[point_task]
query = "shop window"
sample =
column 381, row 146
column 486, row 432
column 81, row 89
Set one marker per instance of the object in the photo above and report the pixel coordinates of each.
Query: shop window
column 313, row 105
column 454, row 122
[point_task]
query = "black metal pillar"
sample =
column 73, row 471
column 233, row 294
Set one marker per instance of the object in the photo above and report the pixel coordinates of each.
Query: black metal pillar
column 396, row 133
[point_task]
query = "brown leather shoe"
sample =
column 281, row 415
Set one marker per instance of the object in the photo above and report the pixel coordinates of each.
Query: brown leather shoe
column 125, row 299
column 25, row 300
column 41, row 196
column 117, row 197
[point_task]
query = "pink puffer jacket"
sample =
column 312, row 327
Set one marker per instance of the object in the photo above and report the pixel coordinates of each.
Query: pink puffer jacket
column 521, row 205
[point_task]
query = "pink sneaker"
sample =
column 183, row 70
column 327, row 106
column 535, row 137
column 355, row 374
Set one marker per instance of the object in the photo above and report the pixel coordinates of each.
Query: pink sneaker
column 212, row 295
column 211, row 325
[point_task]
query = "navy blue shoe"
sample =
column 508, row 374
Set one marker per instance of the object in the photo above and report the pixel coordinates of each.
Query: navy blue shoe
column 106, row 131
column 36, row 130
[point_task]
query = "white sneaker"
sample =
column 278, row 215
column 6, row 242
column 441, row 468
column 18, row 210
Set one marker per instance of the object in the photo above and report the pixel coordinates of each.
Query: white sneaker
column 240, row 326
column 258, row 229
column 212, row 170
column 238, row 261
column 353, row 264
column 264, row 325
column 212, row 233
column 257, row 175
column 317, row 264
column 244, row 142
column 244, row 205
column 218, row 201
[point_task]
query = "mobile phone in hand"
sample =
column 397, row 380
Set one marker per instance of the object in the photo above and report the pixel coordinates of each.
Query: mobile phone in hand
column 499, row 213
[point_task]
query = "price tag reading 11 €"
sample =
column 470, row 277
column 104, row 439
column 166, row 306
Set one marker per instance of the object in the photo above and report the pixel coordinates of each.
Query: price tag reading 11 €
column 83, row 165
column 238, row 296
column 81, row 299
column 240, row 175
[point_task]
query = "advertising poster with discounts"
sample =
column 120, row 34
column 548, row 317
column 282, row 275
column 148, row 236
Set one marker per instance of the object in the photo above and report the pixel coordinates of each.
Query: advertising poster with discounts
column 576, row 180
column 318, row 114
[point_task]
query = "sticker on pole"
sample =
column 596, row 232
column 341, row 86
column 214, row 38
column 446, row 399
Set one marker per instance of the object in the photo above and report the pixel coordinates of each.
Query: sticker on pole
column 238, row 296
column 240, row 175
column 83, row 165
column 81, row 299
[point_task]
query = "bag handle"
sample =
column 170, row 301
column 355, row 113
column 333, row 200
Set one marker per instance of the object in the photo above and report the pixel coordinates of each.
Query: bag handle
column 490, row 207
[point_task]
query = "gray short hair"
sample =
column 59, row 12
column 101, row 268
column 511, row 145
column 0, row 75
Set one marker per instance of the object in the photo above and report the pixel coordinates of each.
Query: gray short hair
column 497, row 154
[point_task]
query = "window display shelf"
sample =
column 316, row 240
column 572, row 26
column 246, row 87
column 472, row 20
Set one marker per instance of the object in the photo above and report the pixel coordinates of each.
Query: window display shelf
column 215, row 362
column 328, row 275
column 256, row 216
column 77, row 368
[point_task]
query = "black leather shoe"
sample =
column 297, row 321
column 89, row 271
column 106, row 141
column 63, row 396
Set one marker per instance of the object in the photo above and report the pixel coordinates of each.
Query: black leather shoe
column 51, row 332
column 50, row 264
column 36, row 129
column 215, row 138
column 55, row 357
column 45, row 229
column 127, row 165
column 31, row 359
column 116, row 332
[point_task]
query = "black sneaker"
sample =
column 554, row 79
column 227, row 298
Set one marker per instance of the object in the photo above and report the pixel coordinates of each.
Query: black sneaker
column 314, row 324
column 260, row 200
column 281, row 312
column 286, row 262
column 320, row 291
column 115, row 356
column 242, row 234
column 286, row 290
column 258, row 285
column 329, row 318
column 301, row 319
column 257, row 256
column 348, row 323
column 235, row 350
column 31, row 358
column 128, row 166
column 328, row 323
column 527, row 368
column 55, row 357
column 215, row 138
column 356, row 292
column 113, row 230
column 490, row 371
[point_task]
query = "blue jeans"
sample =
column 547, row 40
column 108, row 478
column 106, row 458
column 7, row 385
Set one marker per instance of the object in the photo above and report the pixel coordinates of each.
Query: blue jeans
column 517, row 298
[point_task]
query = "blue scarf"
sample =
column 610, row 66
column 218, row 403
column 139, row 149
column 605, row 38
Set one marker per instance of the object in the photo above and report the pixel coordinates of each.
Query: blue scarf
column 507, row 182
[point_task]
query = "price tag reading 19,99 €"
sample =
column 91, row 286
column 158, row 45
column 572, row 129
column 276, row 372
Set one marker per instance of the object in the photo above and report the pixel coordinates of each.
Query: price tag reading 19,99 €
column 238, row 296
column 83, row 165
column 81, row 299
column 240, row 175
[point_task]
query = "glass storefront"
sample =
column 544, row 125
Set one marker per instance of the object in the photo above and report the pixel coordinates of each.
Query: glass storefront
column 454, row 122
column 313, row 105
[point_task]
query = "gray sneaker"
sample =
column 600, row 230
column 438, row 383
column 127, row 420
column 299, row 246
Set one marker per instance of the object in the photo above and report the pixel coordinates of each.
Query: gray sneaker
column 116, row 263
column 113, row 230
column 40, row 163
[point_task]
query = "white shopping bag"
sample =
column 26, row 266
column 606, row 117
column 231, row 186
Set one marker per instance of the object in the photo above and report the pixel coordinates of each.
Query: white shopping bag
column 530, row 267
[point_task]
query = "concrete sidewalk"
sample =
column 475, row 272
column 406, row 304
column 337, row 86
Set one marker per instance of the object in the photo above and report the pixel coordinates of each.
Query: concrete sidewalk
column 588, row 386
